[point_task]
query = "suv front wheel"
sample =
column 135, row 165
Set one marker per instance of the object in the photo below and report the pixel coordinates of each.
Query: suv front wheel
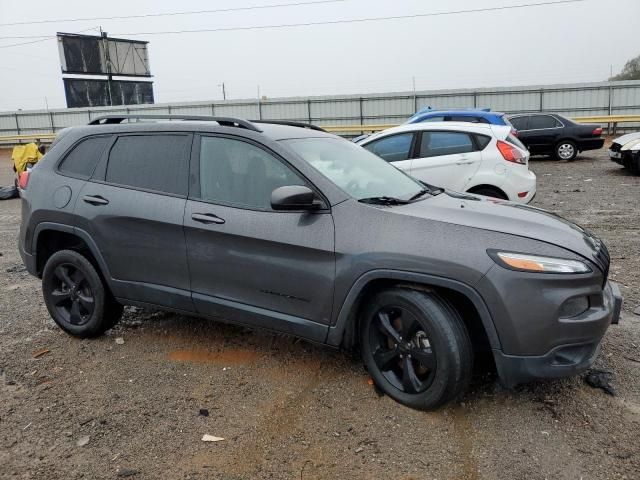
column 76, row 297
column 416, row 347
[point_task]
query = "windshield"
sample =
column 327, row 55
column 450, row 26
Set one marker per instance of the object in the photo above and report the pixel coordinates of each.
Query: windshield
column 355, row 170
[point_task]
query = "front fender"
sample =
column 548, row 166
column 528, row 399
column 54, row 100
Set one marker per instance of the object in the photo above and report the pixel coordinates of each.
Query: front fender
column 337, row 331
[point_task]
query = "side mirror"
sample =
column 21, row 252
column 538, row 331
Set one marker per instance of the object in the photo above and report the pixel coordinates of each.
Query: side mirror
column 294, row 197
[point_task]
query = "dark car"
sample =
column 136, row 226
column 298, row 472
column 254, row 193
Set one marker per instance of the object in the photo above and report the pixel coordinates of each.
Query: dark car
column 299, row 231
column 553, row 134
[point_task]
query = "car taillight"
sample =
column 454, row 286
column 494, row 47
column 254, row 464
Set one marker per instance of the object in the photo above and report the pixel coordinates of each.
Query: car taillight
column 23, row 180
column 510, row 153
column 597, row 131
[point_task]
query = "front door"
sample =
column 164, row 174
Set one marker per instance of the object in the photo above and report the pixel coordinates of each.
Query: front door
column 259, row 266
column 446, row 159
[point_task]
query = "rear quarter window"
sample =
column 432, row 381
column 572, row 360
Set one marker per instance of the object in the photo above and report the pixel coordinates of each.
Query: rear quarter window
column 81, row 161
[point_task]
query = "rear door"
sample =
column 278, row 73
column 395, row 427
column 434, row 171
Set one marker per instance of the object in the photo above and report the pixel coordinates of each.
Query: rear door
column 269, row 268
column 133, row 208
column 541, row 133
column 396, row 149
column 446, row 158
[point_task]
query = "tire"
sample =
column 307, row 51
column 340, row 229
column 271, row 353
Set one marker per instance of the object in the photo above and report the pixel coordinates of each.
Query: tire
column 76, row 296
column 566, row 150
column 416, row 348
column 490, row 192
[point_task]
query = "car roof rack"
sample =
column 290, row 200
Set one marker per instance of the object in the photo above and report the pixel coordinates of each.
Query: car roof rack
column 291, row 124
column 222, row 121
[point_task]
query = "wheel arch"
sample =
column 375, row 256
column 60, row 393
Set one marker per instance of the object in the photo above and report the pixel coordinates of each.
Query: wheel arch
column 463, row 297
column 49, row 238
column 490, row 187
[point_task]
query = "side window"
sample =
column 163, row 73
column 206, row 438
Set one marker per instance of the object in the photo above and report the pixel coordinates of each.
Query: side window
column 239, row 173
column 520, row 123
column 84, row 157
column 445, row 143
column 153, row 162
column 482, row 140
column 542, row 121
column 393, row 148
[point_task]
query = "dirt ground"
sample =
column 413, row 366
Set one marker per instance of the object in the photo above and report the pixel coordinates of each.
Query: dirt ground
column 291, row 410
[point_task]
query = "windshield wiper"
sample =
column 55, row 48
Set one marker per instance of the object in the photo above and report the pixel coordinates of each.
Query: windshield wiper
column 383, row 200
column 421, row 193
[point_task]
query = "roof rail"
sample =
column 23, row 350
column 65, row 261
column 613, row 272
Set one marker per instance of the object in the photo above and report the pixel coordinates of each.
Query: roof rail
column 291, row 124
column 222, row 121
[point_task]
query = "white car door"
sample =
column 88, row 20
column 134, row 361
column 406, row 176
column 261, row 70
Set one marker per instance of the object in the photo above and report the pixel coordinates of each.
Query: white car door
column 446, row 159
column 395, row 149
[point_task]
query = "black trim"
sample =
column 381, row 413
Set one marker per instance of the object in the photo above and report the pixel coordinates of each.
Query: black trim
column 291, row 124
column 222, row 121
column 343, row 316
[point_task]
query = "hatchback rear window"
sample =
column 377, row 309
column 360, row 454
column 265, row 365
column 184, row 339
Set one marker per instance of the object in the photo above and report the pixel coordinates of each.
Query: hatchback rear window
column 151, row 162
column 82, row 160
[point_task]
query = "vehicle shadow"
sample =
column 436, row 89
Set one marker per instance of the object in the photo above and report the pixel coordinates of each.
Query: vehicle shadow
column 205, row 341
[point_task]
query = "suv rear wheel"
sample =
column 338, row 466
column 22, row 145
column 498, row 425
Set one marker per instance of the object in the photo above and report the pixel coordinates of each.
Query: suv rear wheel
column 416, row 347
column 76, row 297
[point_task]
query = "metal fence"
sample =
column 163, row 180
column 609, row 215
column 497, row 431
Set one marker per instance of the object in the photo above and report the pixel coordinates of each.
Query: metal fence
column 584, row 99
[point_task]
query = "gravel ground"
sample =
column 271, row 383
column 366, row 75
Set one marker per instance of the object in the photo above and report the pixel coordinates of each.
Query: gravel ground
column 287, row 409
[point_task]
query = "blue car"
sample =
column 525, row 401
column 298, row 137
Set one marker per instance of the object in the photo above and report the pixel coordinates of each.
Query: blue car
column 473, row 116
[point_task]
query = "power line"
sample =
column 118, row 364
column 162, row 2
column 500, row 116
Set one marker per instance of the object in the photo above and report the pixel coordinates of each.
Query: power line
column 171, row 14
column 327, row 22
column 355, row 20
column 44, row 39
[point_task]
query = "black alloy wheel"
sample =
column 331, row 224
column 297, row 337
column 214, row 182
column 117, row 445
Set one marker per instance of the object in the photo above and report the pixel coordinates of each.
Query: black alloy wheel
column 415, row 346
column 71, row 294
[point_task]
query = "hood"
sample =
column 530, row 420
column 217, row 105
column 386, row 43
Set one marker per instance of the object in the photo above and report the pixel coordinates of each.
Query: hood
column 627, row 138
column 510, row 218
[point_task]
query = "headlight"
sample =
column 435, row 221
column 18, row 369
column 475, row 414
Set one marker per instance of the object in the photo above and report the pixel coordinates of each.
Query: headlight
column 535, row 263
column 632, row 145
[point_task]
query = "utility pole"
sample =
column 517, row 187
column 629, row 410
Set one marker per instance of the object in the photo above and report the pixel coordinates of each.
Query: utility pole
column 224, row 91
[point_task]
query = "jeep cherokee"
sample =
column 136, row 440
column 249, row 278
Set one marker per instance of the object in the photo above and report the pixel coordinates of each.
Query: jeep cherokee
column 296, row 230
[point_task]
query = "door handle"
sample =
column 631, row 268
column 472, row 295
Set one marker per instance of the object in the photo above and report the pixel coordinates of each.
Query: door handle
column 464, row 162
column 207, row 218
column 95, row 200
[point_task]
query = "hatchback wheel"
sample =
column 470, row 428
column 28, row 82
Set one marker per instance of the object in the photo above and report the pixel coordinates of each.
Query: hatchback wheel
column 416, row 348
column 566, row 150
column 76, row 297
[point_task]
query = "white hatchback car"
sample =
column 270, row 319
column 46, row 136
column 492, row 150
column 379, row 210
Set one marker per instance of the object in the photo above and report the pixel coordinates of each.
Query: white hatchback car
column 465, row 157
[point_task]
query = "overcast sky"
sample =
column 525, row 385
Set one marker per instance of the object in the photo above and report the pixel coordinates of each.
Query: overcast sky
column 537, row 45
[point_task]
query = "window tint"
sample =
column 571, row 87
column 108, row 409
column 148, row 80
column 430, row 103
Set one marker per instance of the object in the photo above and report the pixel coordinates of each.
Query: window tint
column 239, row 173
column 153, row 162
column 82, row 160
column 482, row 140
column 519, row 123
column 393, row 148
column 445, row 143
column 542, row 121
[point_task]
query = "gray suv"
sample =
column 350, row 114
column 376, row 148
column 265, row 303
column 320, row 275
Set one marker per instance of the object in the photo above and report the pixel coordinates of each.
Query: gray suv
column 292, row 229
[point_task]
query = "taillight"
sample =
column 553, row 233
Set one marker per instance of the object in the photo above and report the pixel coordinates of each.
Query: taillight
column 597, row 131
column 510, row 153
column 23, row 180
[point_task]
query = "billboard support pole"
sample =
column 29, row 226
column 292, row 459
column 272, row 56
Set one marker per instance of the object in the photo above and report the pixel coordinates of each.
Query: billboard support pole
column 105, row 48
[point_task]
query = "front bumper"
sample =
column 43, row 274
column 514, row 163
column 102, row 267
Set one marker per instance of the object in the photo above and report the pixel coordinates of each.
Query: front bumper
column 563, row 360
